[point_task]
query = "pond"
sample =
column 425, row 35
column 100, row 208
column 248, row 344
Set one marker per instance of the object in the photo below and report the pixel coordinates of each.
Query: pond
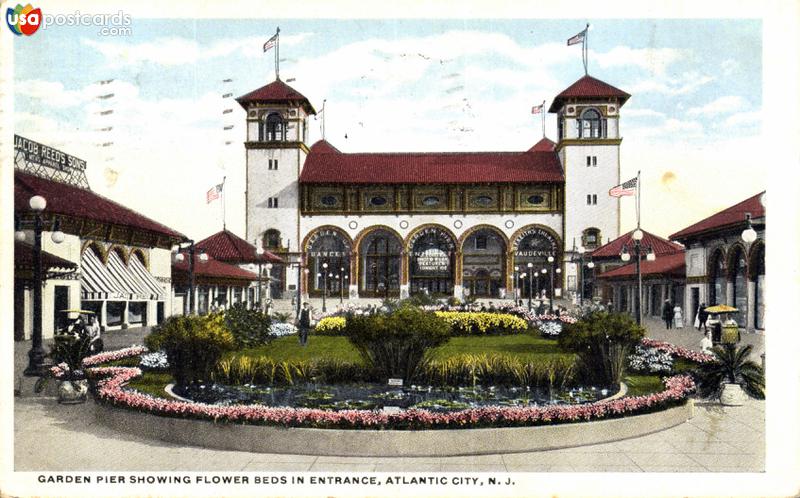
column 379, row 396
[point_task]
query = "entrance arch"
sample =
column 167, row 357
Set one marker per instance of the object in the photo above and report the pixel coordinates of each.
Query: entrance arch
column 431, row 260
column 331, row 246
column 380, row 251
column 483, row 261
column 533, row 244
column 716, row 278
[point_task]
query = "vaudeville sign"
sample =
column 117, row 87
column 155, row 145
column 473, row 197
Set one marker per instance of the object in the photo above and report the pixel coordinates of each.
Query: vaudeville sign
column 46, row 156
column 535, row 243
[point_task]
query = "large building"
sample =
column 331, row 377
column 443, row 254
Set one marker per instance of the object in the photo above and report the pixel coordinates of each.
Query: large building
column 449, row 223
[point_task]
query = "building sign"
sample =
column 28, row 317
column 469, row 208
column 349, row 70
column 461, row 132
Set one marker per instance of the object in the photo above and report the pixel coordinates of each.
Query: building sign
column 535, row 243
column 432, row 260
column 47, row 156
column 328, row 243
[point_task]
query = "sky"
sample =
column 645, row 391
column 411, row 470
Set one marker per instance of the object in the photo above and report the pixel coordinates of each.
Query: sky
column 692, row 125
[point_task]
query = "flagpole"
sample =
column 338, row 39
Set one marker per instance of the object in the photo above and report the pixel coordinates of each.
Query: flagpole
column 278, row 54
column 586, row 50
column 543, row 132
column 638, row 199
column 224, row 201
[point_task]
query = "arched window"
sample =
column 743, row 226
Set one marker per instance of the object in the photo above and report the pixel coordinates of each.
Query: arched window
column 591, row 238
column 590, row 125
column 431, row 262
column 272, row 239
column 380, row 264
column 483, row 263
column 272, row 129
column 328, row 256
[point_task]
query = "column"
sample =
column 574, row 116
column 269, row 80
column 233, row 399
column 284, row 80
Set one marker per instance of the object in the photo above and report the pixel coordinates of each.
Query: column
column 751, row 310
column 125, row 323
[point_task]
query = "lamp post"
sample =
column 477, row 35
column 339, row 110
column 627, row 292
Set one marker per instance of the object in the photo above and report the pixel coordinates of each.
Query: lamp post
column 522, row 278
column 189, row 245
column 625, row 256
column 536, row 275
column 589, row 265
column 581, row 251
column 516, row 285
column 530, row 284
column 552, row 261
column 544, row 272
column 324, row 285
column 37, row 204
column 341, row 285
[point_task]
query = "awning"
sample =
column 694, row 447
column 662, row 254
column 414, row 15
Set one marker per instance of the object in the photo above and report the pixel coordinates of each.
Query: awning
column 116, row 280
column 97, row 282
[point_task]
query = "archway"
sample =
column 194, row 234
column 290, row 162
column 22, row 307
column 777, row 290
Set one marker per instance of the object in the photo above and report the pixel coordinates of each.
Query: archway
column 380, row 253
column 716, row 279
column 328, row 252
column 531, row 246
column 483, row 253
column 431, row 260
column 737, row 274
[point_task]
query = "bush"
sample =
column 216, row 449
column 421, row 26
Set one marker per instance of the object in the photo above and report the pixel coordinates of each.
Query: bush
column 731, row 365
column 250, row 328
column 193, row 344
column 602, row 341
column 394, row 344
column 240, row 370
column 495, row 369
column 331, row 325
column 468, row 323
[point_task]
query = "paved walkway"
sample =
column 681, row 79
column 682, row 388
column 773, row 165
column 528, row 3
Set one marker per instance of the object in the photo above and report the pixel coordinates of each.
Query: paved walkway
column 716, row 439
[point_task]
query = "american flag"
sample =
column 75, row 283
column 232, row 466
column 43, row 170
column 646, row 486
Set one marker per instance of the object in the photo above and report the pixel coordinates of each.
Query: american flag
column 271, row 42
column 537, row 109
column 627, row 188
column 213, row 194
column 577, row 38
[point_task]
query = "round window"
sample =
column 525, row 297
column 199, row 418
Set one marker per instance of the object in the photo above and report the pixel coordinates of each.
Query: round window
column 535, row 199
column 431, row 200
column 328, row 200
column 378, row 201
column 483, row 200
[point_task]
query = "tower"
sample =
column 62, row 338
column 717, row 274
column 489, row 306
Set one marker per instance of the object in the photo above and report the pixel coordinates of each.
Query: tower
column 277, row 130
column 588, row 148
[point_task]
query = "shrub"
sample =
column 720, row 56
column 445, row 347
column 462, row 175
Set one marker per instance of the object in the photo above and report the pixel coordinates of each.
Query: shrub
column 496, row 369
column 331, row 325
column 193, row 344
column 466, row 323
column 250, row 328
column 267, row 371
column 602, row 341
column 393, row 344
column 731, row 365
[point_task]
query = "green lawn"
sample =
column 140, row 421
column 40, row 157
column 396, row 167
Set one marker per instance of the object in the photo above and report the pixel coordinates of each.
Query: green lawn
column 525, row 346
column 639, row 385
column 152, row 383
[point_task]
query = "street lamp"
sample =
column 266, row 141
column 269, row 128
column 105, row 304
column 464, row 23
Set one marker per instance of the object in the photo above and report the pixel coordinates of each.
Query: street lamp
column 536, row 275
column 522, row 277
column 637, row 237
column 516, row 284
column 749, row 235
column 37, row 204
column 189, row 244
column 551, row 260
column 324, row 284
column 543, row 273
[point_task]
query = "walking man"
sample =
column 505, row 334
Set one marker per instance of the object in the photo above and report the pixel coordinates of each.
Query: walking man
column 304, row 323
column 702, row 316
column 667, row 313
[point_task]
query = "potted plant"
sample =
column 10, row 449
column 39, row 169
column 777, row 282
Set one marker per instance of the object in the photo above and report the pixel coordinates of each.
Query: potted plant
column 731, row 375
column 68, row 354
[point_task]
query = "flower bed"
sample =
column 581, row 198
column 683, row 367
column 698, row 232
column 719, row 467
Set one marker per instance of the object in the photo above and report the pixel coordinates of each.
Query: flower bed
column 461, row 323
column 279, row 329
column 678, row 351
column 650, row 360
column 330, row 325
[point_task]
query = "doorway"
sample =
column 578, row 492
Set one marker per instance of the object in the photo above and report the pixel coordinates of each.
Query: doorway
column 60, row 303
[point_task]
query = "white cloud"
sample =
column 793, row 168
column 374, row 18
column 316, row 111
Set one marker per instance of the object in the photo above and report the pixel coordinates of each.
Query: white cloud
column 681, row 85
column 722, row 105
column 643, row 113
column 654, row 60
column 729, row 66
column 174, row 51
column 750, row 118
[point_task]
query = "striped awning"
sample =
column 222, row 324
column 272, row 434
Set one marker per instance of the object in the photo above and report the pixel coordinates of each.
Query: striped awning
column 116, row 280
column 97, row 282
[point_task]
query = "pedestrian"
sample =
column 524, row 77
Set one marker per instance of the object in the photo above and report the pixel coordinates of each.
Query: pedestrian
column 678, row 317
column 706, row 343
column 304, row 323
column 702, row 315
column 667, row 313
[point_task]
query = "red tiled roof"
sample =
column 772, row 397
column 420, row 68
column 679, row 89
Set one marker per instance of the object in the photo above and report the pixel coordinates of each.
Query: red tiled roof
column 671, row 265
column 81, row 203
column 543, row 145
column 325, row 164
column 274, row 93
column 211, row 268
column 230, row 248
column 734, row 215
column 23, row 258
column 588, row 87
column 661, row 247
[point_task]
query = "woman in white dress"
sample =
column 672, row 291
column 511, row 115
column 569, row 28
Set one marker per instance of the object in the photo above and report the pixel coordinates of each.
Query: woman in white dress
column 678, row 318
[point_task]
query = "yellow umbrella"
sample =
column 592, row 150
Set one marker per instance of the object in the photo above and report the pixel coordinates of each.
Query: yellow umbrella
column 78, row 311
column 721, row 308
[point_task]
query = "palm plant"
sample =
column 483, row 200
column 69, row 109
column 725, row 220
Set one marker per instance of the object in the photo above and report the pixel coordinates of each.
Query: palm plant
column 732, row 365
